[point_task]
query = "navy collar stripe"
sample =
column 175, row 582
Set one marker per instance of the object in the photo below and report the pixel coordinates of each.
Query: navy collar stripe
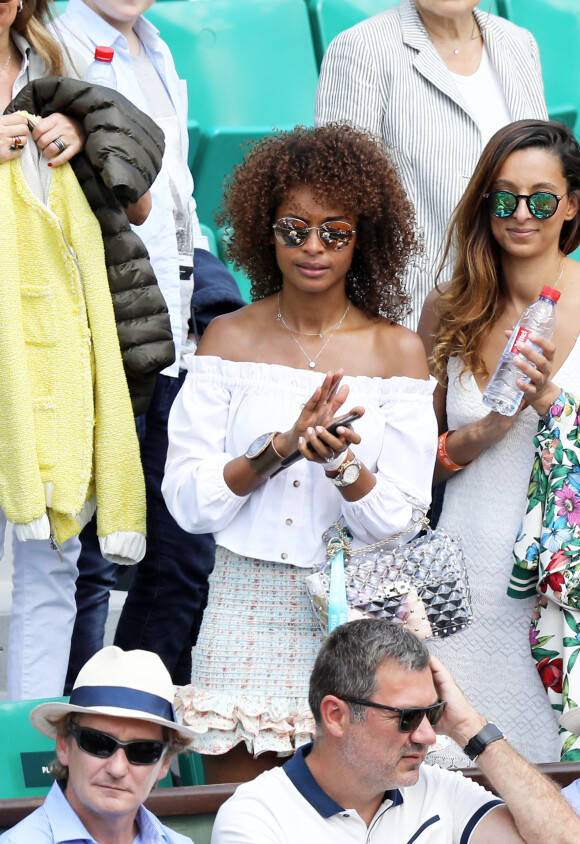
column 470, row 826
column 301, row 778
column 123, row 698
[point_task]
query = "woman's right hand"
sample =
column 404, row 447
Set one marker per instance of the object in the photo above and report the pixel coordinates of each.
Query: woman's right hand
column 493, row 427
column 535, row 361
column 465, row 444
column 319, row 411
column 13, row 132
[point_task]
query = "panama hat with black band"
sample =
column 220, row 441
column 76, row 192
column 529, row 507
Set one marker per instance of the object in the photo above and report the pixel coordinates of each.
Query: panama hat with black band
column 121, row 684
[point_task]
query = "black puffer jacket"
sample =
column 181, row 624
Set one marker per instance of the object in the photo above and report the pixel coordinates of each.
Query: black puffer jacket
column 120, row 161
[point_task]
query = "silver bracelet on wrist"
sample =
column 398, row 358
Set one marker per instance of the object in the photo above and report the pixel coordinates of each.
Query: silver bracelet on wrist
column 333, row 463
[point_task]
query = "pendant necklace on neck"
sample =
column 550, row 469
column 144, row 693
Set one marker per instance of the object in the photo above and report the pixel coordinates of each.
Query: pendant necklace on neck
column 293, row 331
column 475, row 34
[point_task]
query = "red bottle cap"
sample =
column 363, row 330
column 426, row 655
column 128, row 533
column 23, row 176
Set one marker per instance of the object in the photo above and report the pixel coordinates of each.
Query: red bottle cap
column 550, row 293
column 104, row 54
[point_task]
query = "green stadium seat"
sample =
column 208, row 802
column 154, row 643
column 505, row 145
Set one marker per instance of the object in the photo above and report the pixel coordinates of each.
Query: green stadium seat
column 194, row 133
column 555, row 24
column 191, row 769
column 329, row 17
column 208, row 232
column 250, row 68
column 243, row 282
column 24, row 753
column 58, row 7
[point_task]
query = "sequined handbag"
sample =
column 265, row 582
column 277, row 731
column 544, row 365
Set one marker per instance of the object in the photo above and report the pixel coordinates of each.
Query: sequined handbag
column 422, row 585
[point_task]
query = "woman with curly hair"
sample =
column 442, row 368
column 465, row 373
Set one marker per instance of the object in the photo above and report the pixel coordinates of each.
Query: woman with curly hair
column 323, row 228
column 512, row 231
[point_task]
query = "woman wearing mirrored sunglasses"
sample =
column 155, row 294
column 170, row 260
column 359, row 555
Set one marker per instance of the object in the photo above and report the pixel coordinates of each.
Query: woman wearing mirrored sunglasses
column 436, row 79
column 513, row 231
column 323, row 228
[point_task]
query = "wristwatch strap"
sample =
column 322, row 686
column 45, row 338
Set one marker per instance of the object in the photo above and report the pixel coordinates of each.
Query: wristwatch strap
column 478, row 743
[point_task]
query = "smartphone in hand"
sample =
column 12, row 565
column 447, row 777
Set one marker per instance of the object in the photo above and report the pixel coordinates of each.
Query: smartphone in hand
column 332, row 428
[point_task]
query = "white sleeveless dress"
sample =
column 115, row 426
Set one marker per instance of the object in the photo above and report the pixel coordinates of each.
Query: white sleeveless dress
column 483, row 505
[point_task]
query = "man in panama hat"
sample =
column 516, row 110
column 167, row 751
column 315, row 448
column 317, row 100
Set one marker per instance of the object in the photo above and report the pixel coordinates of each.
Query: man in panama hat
column 114, row 741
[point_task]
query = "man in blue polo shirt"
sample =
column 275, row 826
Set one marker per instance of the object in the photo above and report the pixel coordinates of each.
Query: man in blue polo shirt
column 114, row 741
column 376, row 695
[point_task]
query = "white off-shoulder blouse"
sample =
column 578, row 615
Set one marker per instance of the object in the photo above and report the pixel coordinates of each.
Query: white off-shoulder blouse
column 225, row 405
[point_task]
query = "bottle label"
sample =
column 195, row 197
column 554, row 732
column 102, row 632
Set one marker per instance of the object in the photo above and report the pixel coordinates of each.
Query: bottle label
column 521, row 337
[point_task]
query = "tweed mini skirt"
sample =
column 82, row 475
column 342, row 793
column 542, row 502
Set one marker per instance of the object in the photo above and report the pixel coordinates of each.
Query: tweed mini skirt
column 253, row 658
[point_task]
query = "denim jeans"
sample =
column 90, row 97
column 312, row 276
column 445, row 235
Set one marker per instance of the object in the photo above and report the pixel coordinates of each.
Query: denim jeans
column 166, row 600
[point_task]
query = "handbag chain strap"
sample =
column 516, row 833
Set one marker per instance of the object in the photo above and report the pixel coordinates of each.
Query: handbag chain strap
column 342, row 542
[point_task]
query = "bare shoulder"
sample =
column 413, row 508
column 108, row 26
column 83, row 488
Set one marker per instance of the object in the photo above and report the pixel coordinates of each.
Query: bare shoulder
column 402, row 351
column 229, row 335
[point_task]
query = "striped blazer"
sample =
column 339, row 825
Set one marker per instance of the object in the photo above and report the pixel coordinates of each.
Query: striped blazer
column 386, row 76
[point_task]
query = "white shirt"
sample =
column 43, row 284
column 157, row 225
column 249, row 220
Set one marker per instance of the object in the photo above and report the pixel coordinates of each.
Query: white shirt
column 224, row 406
column 287, row 806
column 83, row 29
column 485, row 97
column 33, row 66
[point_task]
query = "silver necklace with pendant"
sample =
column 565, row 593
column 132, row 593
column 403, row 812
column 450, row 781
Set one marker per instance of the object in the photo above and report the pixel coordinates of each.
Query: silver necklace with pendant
column 292, row 332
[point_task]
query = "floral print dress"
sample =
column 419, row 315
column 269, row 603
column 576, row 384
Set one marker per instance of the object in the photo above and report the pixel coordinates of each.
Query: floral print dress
column 547, row 559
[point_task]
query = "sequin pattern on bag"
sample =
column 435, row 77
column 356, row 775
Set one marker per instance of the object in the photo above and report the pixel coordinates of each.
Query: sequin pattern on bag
column 422, row 584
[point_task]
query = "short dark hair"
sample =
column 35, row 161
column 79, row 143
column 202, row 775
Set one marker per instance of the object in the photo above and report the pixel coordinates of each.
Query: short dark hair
column 343, row 166
column 347, row 663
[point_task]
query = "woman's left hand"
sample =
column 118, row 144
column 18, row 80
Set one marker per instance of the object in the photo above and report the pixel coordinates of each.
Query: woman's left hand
column 539, row 392
column 66, row 131
column 321, row 440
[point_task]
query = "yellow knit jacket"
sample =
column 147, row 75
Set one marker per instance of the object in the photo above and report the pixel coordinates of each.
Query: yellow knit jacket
column 67, row 432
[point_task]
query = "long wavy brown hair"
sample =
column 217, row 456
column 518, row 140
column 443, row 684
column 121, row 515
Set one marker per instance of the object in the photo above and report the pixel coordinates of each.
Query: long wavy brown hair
column 31, row 23
column 474, row 299
column 342, row 166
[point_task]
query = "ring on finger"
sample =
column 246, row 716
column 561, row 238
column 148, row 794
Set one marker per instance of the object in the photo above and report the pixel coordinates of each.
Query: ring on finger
column 60, row 144
column 330, row 459
column 16, row 143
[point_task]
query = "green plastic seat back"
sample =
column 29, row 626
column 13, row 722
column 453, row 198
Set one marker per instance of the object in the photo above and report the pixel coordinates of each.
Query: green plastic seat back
column 24, row 753
column 329, row 17
column 555, row 24
column 245, row 61
column 250, row 68
column 191, row 769
column 58, row 7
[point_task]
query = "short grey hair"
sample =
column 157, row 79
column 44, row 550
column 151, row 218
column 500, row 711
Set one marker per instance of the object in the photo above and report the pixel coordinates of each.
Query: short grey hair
column 347, row 663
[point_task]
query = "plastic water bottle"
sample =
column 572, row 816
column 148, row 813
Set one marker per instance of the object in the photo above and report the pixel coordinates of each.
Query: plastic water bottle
column 101, row 70
column 502, row 393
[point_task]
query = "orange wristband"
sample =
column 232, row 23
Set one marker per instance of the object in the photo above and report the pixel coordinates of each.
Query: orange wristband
column 443, row 457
